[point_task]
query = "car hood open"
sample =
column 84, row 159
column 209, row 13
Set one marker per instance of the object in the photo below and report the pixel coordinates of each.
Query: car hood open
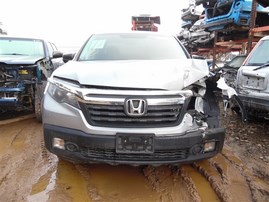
column 146, row 74
column 19, row 59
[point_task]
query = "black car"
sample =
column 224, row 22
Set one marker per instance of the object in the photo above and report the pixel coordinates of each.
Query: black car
column 25, row 65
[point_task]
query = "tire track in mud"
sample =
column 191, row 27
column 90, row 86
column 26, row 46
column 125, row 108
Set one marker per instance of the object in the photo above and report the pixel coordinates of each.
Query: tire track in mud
column 29, row 171
column 257, row 180
column 20, row 159
column 225, row 178
column 172, row 183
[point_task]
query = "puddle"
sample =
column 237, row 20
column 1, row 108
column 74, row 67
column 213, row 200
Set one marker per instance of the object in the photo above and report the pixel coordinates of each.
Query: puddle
column 40, row 191
column 119, row 183
column 202, row 186
column 70, row 184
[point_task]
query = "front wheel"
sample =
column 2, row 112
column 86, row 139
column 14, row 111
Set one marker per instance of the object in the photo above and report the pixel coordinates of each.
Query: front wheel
column 39, row 92
column 38, row 113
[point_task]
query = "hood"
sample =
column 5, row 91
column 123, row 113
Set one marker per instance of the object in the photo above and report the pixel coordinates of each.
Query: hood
column 19, row 59
column 145, row 74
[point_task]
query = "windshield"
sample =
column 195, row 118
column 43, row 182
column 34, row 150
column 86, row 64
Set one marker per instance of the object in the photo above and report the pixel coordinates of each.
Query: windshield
column 236, row 62
column 259, row 55
column 12, row 46
column 132, row 46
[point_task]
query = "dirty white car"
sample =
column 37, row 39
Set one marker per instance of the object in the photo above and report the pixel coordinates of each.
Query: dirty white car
column 252, row 81
column 132, row 98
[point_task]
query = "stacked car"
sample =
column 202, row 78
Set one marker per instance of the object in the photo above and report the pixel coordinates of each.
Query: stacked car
column 230, row 18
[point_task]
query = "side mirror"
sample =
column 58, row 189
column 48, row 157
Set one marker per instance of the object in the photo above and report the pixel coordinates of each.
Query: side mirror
column 57, row 54
column 68, row 56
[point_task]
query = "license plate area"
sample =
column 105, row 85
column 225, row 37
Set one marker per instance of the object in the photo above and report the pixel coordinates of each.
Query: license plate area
column 257, row 83
column 135, row 143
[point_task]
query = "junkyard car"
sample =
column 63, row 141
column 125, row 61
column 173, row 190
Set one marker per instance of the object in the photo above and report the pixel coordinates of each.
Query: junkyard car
column 192, row 13
column 25, row 65
column 253, row 81
column 196, row 36
column 229, row 69
column 232, row 14
column 131, row 98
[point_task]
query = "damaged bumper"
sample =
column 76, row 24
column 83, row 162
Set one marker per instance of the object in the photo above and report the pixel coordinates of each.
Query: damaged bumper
column 81, row 147
column 9, row 97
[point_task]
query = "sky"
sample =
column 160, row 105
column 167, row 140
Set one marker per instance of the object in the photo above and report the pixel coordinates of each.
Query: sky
column 69, row 23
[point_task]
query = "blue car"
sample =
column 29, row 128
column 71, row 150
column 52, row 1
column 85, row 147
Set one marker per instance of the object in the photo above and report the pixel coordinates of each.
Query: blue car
column 232, row 14
column 25, row 65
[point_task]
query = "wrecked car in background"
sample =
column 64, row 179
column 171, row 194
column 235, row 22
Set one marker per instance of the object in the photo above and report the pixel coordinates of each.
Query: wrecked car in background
column 193, row 35
column 25, row 65
column 252, row 83
column 232, row 14
column 133, row 98
column 192, row 13
column 196, row 36
column 230, row 68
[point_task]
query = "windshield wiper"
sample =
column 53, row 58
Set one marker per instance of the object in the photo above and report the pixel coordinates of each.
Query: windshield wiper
column 262, row 66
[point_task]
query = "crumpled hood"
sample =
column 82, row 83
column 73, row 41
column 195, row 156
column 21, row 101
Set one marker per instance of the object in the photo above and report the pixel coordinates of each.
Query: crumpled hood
column 149, row 74
column 19, row 59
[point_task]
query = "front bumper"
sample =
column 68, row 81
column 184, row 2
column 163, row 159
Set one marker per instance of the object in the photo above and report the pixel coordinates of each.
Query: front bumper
column 94, row 148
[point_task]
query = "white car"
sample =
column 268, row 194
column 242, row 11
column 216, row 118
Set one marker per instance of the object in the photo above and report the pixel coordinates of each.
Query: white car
column 252, row 83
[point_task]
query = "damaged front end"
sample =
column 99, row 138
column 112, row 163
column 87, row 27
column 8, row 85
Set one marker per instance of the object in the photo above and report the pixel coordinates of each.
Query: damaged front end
column 204, row 104
column 19, row 83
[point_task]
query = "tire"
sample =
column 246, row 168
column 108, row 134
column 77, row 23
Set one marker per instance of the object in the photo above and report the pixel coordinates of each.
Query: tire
column 38, row 113
column 238, row 108
column 39, row 91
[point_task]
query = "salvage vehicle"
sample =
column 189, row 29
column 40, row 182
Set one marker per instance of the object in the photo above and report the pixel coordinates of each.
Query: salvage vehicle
column 252, row 82
column 192, row 13
column 230, row 68
column 25, row 65
column 196, row 37
column 232, row 15
column 135, row 98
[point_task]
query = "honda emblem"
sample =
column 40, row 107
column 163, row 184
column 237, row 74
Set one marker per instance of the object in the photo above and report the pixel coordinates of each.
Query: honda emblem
column 135, row 107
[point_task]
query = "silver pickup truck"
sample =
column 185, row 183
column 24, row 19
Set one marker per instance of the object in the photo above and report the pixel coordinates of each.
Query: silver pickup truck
column 134, row 98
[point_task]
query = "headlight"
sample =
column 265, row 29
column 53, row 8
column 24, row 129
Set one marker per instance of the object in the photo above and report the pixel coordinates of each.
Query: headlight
column 62, row 96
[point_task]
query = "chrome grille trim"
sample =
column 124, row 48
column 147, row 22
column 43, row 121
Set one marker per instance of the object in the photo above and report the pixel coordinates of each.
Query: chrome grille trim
column 162, row 111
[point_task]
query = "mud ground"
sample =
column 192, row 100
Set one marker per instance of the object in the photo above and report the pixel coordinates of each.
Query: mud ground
column 30, row 173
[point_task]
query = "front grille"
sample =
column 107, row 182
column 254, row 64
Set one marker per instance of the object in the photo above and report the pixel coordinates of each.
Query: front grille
column 113, row 114
column 170, row 155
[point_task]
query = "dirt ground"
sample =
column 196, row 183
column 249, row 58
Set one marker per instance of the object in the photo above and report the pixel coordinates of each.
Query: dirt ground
column 30, row 173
